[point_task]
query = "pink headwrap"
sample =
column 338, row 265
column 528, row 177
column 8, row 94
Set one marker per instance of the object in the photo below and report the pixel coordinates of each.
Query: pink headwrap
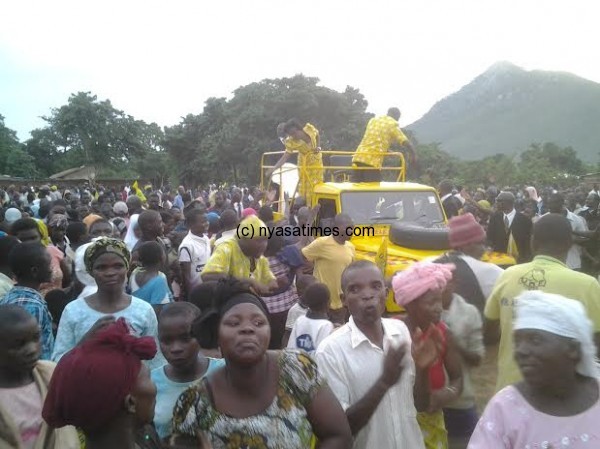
column 419, row 279
column 248, row 212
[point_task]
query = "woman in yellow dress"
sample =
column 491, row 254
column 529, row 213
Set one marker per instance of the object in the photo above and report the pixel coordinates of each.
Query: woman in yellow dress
column 306, row 142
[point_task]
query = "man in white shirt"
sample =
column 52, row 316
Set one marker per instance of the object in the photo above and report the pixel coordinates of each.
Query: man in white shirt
column 194, row 251
column 236, row 202
column 368, row 365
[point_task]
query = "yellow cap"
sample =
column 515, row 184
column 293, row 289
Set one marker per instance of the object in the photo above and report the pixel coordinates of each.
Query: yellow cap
column 252, row 227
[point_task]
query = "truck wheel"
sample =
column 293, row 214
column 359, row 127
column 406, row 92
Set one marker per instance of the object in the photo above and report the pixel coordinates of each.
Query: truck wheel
column 413, row 236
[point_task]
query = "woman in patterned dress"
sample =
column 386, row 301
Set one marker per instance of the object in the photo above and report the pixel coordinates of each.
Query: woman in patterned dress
column 305, row 141
column 260, row 399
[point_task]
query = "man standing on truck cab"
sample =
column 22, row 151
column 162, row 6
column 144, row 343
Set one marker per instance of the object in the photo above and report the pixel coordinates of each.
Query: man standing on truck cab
column 381, row 132
column 331, row 255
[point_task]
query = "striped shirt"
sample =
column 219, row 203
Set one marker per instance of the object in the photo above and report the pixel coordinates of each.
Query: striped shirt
column 32, row 301
column 283, row 301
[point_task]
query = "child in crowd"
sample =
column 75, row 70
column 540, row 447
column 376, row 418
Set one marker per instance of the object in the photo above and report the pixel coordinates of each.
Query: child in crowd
column 173, row 262
column 148, row 282
column 7, row 243
column 194, row 250
column 465, row 323
column 24, row 381
column 309, row 330
column 299, row 309
column 185, row 364
column 30, row 264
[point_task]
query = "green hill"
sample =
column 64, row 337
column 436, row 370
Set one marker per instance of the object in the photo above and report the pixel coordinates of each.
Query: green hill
column 506, row 108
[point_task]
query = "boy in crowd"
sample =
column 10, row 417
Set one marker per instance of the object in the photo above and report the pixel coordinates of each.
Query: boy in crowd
column 312, row 328
column 30, row 264
column 299, row 309
column 24, row 381
column 194, row 250
column 185, row 363
column 7, row 243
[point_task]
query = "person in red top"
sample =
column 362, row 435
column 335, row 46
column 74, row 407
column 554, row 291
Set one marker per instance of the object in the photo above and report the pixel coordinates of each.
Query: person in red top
column 419, row 289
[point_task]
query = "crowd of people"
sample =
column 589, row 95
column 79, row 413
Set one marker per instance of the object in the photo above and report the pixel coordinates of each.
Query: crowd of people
column 143, row 318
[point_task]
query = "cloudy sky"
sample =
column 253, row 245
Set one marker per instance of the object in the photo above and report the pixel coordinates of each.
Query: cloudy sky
column 161, row 60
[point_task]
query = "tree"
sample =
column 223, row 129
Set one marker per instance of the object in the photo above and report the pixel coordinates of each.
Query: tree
column 14, row 161
column 87, row 131
column 226, row 141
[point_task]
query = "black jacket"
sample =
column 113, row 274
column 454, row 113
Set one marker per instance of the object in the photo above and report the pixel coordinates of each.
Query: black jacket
column 521, row 230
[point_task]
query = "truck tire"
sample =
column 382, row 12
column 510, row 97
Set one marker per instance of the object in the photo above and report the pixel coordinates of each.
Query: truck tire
column 413, row 236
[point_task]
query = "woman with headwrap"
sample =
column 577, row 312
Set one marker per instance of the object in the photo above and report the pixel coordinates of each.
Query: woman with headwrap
column 260, row 398
column 107, row 261
column 57, row 228
column 533, row 203
column 557, row 403
column 103, row 388
column 420, row 289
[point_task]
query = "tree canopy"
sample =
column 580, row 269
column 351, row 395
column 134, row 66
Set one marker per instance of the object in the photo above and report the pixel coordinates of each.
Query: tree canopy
column 87, row 131
column 226, row 140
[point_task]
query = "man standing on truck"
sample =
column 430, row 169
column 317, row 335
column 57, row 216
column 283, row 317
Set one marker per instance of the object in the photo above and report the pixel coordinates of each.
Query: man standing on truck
column 381, row 132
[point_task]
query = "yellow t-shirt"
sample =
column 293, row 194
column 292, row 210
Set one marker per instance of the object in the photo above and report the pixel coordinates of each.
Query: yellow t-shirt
column 330, row 259
column 546, row 274
column 381, row 132
column 229, row 259
column 300, row 145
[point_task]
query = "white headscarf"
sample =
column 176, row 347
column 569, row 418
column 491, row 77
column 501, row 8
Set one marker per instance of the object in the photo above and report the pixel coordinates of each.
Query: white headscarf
column 130, row 238
column 560, row 316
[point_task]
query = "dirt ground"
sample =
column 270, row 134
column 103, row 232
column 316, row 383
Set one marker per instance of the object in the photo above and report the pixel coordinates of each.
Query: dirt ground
column 484, row 377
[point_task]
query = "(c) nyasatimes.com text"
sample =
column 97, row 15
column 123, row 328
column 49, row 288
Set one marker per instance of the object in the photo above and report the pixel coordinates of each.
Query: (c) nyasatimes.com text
column 305, row 231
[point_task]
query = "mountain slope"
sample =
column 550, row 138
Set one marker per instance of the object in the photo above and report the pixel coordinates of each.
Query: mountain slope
column 507, row 108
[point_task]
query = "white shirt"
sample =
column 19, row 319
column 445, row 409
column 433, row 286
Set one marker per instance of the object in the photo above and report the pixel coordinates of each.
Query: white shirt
column 293, row 314
column 465, row 323
column 486, row 273
column 510, row 216
column 574, row 255
column 446, row 196
column 196, row 250
column 308, row 333
column 225, row 235
column 238, row 208
column 352, row 364
column 578, row 224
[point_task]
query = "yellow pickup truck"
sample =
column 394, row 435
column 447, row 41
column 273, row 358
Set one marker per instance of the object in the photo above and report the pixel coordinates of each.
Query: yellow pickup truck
column 401, row 222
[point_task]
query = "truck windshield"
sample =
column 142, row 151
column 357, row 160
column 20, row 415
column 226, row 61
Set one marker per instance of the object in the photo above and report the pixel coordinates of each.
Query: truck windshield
column 390, row 207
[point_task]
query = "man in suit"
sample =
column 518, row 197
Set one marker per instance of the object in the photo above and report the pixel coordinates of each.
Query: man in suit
column 509, row 231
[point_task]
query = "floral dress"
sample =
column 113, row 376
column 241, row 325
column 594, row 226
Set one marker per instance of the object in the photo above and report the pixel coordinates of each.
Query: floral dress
column 283, row 425
column 310, row 162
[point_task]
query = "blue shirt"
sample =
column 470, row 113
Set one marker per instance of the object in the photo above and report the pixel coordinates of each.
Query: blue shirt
column 78, row 318
column 167, row 394
column 32, row 301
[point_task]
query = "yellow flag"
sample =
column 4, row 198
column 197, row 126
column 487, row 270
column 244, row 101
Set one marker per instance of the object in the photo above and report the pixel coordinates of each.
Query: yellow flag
column 381, row 256
column 138, row 192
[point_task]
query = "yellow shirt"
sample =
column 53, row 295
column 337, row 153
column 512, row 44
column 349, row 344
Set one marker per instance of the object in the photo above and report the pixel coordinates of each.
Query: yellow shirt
column 381, row 132
column 299, row 145
column 330, row 259
column 546, row 274
column 229, row 259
